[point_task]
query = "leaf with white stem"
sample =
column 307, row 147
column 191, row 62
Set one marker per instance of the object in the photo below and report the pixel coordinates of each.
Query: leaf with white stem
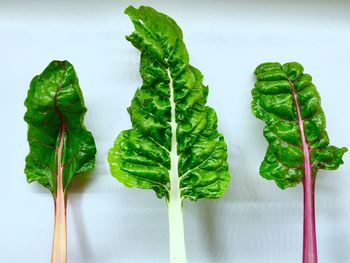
column 174, row 147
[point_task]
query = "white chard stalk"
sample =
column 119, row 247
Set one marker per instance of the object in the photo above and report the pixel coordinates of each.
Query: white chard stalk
column 176, row 225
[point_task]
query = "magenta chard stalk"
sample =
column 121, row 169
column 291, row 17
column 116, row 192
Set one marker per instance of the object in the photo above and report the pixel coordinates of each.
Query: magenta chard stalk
column 287, row 101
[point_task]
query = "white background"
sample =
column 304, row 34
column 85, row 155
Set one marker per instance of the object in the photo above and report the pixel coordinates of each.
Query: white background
column 255, row 221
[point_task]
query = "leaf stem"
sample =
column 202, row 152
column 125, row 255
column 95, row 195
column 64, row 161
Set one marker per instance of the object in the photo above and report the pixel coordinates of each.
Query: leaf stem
column 59, row 244
column 309, row 231
column 309, row 239
column 176, row 227
column 176, row 232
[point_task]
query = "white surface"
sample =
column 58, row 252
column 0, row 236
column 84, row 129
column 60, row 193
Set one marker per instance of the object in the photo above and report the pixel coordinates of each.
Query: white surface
column 254, row 221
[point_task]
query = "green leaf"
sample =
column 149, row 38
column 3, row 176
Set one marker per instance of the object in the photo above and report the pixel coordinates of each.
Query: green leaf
column 174, row 134
column 274, row 103
column 55, row 99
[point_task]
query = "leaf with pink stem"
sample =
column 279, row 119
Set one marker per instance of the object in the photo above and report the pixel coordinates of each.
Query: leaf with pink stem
column 287, row 100
column 60, row 146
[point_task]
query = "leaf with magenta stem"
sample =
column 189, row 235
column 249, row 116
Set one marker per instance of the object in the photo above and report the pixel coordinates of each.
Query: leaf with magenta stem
column 287, row 101
column 60, row 146
column 173, row 147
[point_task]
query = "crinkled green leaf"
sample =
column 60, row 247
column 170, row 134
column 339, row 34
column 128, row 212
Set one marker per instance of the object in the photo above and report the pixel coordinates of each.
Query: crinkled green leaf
column 273, row 102
column 53, row 96
column 141, row 156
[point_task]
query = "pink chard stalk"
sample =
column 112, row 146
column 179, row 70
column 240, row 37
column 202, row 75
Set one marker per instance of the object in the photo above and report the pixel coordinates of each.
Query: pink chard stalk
column 287, row 101
column 60, row 146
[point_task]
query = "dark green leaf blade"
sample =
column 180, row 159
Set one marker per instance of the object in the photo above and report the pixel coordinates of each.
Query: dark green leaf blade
column 273, row 103
column 54, row 97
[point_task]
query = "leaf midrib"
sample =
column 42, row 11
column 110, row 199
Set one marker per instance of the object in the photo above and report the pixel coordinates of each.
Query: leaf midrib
column 59, row 168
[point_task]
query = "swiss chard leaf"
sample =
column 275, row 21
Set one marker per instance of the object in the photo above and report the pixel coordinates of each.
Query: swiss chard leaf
column 55, row 108
column 280, row 92
column 174, row 134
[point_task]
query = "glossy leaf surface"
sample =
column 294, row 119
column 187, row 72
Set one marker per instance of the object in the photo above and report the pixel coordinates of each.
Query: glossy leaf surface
column 54, row 101
column 142, row 156
column 274, row 103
